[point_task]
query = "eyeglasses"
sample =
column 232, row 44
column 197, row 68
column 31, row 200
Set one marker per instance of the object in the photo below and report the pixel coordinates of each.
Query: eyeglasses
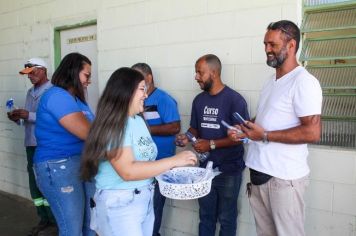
column 145, row 88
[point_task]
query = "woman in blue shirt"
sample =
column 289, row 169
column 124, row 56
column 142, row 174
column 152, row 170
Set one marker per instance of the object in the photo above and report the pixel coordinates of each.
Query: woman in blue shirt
column 120, row 153
column 63, row 120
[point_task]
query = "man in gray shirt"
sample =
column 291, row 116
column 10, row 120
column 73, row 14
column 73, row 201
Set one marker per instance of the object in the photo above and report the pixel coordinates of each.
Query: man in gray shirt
column 36, row 70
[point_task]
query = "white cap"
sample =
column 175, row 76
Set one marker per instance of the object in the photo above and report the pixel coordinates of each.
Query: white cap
column 33, row 62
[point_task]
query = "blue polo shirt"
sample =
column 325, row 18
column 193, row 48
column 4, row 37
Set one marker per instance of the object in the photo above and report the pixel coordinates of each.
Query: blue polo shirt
column 161, row 108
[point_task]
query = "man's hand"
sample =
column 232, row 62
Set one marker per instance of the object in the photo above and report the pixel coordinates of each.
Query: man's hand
column 11, row 117
column 172, row 128
column 202, row 145
column 236, row 134
column 253, row 131
column 308, row 131
column 19, row 114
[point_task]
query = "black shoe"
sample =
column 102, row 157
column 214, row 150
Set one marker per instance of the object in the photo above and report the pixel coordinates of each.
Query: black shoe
column 50, row 230
column 40, row 226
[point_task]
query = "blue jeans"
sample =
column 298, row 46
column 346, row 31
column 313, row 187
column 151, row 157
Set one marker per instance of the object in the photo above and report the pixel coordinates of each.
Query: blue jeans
column 220, row 204
column 67, row 195
column 158, row 204
column 123, row 212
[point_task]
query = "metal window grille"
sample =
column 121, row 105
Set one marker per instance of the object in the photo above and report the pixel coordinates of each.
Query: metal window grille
column 329, row 20
column 329, row 53
column 323, row 2
column 335, row 76
column 329, row 48
column 339, row 107
column 341, row 133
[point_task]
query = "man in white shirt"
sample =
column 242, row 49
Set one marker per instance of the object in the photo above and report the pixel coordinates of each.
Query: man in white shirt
column 288, row 117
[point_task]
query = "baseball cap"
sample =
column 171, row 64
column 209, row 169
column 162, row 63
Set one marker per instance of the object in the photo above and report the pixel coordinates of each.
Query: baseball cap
column 31, row 64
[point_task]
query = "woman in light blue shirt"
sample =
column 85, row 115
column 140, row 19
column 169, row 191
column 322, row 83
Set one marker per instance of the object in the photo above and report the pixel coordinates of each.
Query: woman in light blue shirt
column 120, row 153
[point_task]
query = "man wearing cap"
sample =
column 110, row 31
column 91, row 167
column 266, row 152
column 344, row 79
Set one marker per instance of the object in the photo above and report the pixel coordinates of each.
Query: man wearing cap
column 36, row 70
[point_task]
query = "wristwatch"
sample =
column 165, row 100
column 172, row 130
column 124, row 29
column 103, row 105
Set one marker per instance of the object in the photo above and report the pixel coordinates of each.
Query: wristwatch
column 212, row 145
column 265, row 137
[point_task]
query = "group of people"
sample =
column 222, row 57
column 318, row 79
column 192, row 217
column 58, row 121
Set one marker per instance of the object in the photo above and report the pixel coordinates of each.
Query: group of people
column 96, row 172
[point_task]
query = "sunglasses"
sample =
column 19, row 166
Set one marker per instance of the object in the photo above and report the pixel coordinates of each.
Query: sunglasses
column 30, row 65
column 272, row 26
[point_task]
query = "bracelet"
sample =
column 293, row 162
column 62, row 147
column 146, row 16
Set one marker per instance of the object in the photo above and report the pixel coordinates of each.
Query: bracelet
column 265, row 137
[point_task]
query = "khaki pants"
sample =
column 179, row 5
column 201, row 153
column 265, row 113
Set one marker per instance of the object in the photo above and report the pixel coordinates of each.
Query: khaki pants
column 278, row 207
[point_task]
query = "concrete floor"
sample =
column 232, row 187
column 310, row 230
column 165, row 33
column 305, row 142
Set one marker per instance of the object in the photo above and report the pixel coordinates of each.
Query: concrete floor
column 17, row 215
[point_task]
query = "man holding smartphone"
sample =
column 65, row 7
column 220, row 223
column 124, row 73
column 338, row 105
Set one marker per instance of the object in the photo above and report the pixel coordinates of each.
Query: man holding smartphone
column 288, row 117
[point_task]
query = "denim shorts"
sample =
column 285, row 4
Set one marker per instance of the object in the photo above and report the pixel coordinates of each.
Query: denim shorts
column 123, row 212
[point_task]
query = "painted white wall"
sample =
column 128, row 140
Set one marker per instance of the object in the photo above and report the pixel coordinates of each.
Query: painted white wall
column 170, row 35
column 27, row 30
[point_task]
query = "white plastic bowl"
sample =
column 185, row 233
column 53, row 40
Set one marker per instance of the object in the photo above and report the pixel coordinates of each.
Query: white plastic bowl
column 185, row 191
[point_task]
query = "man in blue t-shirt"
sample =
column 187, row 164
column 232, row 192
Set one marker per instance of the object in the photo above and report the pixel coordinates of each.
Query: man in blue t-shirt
column 216, row 103
column 162, row 117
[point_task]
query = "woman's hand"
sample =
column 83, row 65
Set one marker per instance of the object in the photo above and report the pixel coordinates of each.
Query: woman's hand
column 181, row 140
column 185, row 158
column 129, row 169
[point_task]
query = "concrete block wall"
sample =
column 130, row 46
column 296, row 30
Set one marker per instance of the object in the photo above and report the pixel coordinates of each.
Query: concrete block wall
column 27, row 29
column 170, row 35
column 331, row 195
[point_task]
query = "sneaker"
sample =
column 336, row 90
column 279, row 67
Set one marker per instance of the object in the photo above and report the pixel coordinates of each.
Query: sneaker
column 50, row 230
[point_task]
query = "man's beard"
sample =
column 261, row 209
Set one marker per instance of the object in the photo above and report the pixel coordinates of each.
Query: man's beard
column 207, row 85
column 278, row 60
